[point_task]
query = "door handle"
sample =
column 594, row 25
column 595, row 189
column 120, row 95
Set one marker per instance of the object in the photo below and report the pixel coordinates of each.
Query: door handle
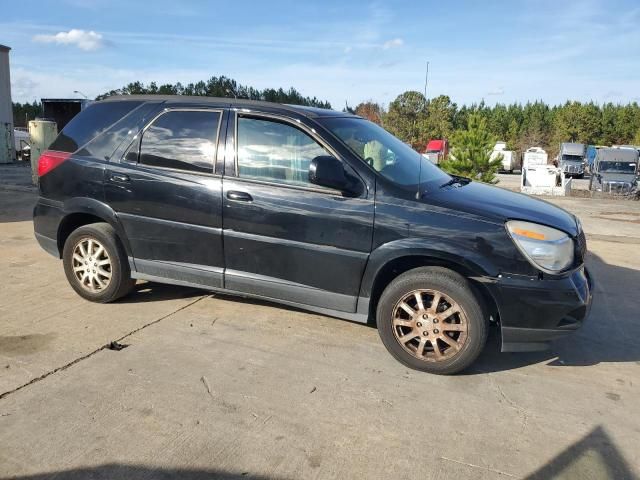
column 239, row 196
column 117, row 177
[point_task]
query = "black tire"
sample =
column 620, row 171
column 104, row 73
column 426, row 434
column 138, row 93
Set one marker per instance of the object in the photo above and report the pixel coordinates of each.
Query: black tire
column 451, row 285
column 120, row 282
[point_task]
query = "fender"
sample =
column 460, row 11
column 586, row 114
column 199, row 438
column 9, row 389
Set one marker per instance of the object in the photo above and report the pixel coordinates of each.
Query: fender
column 446, row 250
column 99, row 209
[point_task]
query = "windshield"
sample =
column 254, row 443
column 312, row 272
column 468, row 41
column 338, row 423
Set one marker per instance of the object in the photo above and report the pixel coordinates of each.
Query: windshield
column 617, row 167
column 572, row 158
column 387, row 155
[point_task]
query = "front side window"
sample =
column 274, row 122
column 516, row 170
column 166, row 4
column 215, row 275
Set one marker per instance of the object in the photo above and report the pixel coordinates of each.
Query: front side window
column 386, row 154
column 274, row 151
column 183, row 140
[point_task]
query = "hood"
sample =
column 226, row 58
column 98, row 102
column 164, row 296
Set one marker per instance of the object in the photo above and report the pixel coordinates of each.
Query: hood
column 497, row 204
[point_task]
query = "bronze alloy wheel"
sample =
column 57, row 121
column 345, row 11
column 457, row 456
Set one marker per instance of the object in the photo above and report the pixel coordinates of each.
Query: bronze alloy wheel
column 91, row 265
column 429, row 325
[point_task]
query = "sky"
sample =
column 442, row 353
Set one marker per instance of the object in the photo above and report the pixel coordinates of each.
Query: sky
column 336, row 50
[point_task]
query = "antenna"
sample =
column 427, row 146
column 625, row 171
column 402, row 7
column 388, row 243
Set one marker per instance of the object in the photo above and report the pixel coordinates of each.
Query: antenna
column 426, row 81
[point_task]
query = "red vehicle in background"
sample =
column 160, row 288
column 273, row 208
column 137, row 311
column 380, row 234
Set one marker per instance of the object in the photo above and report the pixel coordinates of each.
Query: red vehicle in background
column 436, row 151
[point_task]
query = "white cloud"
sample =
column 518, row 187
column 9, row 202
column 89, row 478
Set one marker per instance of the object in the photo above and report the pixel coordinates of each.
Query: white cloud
column 496, row 91
column 84, row 40
column 394, row 43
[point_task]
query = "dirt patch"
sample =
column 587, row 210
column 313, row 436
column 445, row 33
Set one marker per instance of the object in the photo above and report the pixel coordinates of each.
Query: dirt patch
column 629, row 214
column 624, row 220
column 600, row 195
column 25, row 344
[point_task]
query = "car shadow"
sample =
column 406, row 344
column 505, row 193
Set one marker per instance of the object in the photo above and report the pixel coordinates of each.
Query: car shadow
column 609, row 333
column 155, row 292
column 114, row 471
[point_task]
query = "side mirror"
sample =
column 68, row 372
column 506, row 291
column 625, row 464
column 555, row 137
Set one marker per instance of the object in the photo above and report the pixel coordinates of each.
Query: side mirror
column 328, row 171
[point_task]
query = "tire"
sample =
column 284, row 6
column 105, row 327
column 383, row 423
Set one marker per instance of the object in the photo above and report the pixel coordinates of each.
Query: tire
column 466, row 331
column 109, row 278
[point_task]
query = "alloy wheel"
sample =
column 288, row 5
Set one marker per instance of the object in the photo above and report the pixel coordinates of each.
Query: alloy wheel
column 429, row 325
column 91, row 265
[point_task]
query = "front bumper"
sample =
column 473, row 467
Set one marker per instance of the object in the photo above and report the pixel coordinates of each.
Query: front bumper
column 535, row 311
column 572, row 169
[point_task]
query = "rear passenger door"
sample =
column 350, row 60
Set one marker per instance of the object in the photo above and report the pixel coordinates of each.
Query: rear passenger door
column 168, row 197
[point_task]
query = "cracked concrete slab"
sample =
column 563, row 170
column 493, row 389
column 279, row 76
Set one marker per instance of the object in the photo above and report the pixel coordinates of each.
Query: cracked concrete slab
column 45, row 325
column 227, row 388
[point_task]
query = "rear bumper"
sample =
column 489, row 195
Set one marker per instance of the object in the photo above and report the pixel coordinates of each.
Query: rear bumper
column 49, row 245
column 534, row 312
column 47, row 215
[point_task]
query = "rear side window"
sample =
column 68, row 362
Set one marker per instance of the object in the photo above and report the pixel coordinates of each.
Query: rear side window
column 90, row 123
column 183, row 140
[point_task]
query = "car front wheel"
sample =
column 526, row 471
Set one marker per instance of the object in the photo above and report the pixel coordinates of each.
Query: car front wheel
column 430, row 320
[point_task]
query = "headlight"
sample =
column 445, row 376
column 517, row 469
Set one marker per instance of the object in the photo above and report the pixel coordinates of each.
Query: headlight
column 547, row 248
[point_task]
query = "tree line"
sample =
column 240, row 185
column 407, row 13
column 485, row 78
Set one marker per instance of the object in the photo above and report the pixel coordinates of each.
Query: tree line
column 24, row 112
column 214, row 87
column 219, row 87
column 416, row 119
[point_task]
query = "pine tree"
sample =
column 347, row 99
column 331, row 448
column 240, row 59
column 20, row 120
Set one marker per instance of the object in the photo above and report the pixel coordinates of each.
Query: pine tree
column 471, row 152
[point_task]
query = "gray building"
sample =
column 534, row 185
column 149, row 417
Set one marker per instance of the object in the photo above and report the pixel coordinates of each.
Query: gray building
column 6, row 108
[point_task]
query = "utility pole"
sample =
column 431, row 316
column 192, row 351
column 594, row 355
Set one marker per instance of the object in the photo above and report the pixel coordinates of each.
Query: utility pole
column 426, row 81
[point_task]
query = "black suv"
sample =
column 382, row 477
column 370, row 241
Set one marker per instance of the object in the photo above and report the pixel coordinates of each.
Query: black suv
column 312, row 208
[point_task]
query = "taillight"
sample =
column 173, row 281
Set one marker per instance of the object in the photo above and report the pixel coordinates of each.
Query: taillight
column 49, row 160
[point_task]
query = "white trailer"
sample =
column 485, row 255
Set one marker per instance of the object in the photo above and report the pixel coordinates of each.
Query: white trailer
column 22, row 143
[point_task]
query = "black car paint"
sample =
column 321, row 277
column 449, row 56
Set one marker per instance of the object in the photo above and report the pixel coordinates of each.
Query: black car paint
column 315, row 248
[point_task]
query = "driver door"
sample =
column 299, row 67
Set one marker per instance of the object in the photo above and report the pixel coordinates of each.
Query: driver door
column 284, row 237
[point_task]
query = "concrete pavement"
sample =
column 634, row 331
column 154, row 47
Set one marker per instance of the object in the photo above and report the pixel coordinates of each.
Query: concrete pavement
column 215, row 387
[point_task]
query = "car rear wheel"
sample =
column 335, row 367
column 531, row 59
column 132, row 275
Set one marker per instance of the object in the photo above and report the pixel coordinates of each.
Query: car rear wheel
column 96, row 265
column 430, row 320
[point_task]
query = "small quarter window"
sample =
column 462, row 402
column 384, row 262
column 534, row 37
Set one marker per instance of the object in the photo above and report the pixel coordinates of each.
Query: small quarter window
column 274, row 151
column 183, row 140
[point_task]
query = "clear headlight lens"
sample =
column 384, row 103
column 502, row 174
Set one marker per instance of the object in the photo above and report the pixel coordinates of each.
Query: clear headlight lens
column 547, row 248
